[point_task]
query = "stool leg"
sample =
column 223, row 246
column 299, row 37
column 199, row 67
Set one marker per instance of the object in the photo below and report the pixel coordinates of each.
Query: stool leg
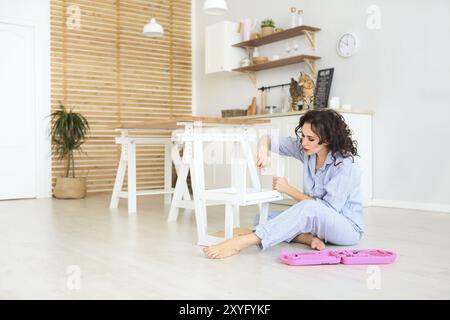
column 236, row 216
column 175, row 154
column 198, row 185
column 251, row 165
column 182, row 169
column 132, row 178
column 167, row 173
column 180, row 188
column 119, row 178
column 238, row 180
column 187, row 197
column 263, row 213
column 229, row 217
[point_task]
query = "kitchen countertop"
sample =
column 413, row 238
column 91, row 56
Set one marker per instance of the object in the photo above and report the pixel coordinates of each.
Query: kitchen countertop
column 175, row 122
column 285, row 114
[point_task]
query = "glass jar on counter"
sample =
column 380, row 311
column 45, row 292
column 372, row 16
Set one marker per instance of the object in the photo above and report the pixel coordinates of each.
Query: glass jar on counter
column 245, row 62
column 294, row 18
column 300, row 18
column 271, row 109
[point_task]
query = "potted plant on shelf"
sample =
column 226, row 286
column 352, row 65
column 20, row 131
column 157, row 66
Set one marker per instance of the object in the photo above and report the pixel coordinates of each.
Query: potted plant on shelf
column 68, row 132
column 267, row 27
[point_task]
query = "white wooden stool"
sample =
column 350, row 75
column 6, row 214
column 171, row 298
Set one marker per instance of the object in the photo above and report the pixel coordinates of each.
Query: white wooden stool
column 237, row 195
column 128, row 161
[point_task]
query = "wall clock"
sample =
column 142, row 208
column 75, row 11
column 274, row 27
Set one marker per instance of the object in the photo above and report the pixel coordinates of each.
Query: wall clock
column 347, row 45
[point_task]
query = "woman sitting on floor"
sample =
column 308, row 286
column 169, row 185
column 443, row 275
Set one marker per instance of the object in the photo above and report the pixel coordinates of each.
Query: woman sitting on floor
column 330, row 208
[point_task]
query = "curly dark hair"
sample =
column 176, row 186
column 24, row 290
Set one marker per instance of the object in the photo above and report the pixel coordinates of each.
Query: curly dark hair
column 331, row 128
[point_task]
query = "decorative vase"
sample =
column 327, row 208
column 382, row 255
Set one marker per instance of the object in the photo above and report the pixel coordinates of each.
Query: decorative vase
column 70, row 188
column 265, row 31
column 251, row 111
column 255, row 35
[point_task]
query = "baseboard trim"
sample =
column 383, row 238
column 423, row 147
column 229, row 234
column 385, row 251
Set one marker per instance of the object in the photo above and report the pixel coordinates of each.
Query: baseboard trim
column 411, row 205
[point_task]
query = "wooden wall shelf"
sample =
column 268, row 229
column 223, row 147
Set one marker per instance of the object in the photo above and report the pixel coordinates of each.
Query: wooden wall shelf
column 283, row 35
column 281, row 62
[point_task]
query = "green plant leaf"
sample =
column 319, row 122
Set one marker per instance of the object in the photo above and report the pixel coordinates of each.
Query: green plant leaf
column 267, row 23
column 68, row 132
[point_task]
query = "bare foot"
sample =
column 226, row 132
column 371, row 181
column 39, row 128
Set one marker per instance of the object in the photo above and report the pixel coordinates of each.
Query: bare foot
column 310, row 240
column 231, row 247
column 317, row 244
column 221, row 250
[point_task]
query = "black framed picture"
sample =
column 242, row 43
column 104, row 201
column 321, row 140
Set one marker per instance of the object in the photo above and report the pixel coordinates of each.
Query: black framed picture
column 323, row 87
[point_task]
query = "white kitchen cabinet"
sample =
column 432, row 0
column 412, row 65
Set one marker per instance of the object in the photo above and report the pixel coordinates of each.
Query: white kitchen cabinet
column 361, row 126
column 220, row 55
column 218, row 175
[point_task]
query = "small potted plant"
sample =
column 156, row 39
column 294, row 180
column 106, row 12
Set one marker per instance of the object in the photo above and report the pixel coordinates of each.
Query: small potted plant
column 68, row 132
column 267, row 27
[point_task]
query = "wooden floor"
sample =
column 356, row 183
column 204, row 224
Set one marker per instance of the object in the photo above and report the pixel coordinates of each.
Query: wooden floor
column 143, row 257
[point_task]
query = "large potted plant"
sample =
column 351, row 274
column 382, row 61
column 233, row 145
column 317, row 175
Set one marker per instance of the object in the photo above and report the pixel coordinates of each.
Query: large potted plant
column 68, row 132
column 267, row 27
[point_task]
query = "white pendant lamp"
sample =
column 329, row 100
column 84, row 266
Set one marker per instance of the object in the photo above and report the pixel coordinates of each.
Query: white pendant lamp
column 215, row 7
column 153, row 29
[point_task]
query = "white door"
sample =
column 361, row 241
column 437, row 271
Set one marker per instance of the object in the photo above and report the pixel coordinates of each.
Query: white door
column 17, row 113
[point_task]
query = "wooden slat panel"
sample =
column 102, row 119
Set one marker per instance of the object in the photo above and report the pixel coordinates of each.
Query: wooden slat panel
column 112, row 74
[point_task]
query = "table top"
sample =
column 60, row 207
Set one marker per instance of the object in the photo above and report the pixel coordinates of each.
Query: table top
column 299, row 113
column 177, row 122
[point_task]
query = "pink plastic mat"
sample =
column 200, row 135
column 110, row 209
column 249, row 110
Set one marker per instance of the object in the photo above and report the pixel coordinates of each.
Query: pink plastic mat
column 308, row 258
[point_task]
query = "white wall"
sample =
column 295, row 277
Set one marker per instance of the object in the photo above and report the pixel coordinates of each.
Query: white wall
column 36, row 13
column 401, row 73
